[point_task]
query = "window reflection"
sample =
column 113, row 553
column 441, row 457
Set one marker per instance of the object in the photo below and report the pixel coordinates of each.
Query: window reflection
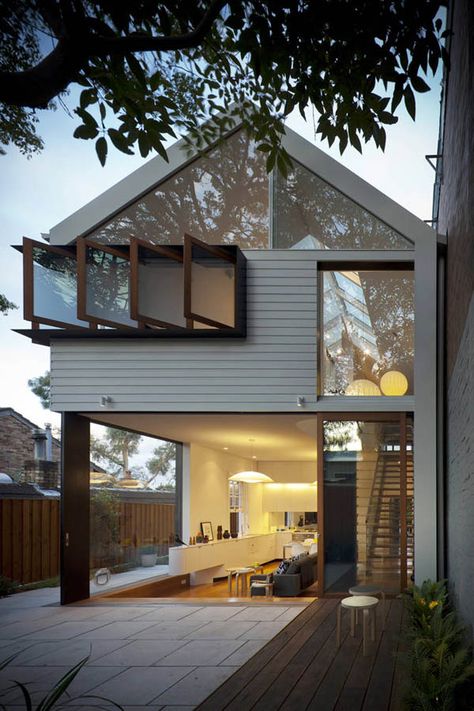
column 108, row 287
column 55, row 287
column 311, row 214
column 368, row 333
column 221, row 198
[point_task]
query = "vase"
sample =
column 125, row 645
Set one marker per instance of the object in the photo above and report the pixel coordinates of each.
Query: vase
column 219, row 533
column 226, row 534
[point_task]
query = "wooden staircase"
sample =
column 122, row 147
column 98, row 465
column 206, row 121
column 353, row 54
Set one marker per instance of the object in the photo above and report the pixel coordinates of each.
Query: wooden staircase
column 381, row 532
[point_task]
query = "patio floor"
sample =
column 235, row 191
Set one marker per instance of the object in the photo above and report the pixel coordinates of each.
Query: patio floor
column 146, row 654
column 302, row 669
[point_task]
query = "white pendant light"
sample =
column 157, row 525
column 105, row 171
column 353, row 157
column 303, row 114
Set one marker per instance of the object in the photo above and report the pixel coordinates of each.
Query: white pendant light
column 251, row 476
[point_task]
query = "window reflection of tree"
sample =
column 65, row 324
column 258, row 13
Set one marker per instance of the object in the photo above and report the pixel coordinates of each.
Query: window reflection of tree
column 389, row 299
column 108, row 286
column 221, row 198
column 55, row 285
column 307, row 205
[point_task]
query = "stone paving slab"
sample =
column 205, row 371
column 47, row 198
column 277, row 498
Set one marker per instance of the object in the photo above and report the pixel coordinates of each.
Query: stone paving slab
column 146, row 656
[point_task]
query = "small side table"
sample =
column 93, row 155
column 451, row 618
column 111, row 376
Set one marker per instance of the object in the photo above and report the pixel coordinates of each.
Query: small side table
column 262, row 584
column 241, row 576
column 371, row 590
column 355, row 603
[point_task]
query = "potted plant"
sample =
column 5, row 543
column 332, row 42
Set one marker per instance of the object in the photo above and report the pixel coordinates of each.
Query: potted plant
column 147, row 556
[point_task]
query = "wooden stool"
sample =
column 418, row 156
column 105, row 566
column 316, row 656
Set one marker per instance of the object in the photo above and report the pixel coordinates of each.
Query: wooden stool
column 358, row 602
column 373, row 591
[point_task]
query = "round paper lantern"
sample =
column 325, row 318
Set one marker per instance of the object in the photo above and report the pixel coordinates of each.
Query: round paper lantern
column 362, row 388
column 393, row 383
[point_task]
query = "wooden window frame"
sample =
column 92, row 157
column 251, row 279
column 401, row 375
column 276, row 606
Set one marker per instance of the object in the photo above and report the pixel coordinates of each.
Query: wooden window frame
column 168, row 252
column 28, row 283
column 82, row 244
column 190, row 315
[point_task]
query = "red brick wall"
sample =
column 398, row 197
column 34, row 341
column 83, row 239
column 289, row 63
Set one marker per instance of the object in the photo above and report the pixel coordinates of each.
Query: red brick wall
column 16, row 445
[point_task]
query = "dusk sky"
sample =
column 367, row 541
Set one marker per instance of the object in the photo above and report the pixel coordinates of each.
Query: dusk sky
column 37, row 193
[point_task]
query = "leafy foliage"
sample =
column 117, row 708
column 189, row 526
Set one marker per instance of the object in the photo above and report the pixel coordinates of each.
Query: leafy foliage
column 5, row 304
column 7, row 586
column 115, row 449
column 162, row 464
column 440, row 663
column 53, row 699
column 105, row 514
column 41, row 386
column 148, row 69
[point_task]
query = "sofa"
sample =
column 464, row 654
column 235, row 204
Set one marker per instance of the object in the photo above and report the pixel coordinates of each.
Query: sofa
column 291, row 577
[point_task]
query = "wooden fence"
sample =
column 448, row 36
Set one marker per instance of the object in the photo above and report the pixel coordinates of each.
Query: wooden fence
column 29, row 548
column 29, row 535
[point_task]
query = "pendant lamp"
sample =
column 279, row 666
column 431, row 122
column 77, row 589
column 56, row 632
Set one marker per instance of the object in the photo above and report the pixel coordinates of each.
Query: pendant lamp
column 251, row 476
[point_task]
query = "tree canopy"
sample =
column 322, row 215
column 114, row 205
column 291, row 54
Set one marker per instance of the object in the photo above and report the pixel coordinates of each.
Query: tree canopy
column 41, row 386
column 147, row 69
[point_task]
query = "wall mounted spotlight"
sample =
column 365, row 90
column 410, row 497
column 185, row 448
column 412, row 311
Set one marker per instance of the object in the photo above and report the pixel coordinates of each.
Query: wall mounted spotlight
column 105, row 400
column 300, row 401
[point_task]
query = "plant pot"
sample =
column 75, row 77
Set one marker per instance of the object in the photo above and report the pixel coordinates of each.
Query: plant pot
column 147, row 560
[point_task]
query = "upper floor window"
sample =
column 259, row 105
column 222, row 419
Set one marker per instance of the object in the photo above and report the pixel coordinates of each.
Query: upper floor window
column 220, row 198
column 312, row 214
column 367, row 345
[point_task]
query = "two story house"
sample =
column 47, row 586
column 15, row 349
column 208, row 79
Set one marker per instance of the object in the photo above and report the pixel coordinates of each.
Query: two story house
column 282, row 325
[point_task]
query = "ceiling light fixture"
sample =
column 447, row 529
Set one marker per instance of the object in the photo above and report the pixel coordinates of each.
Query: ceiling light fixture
column 251, row 476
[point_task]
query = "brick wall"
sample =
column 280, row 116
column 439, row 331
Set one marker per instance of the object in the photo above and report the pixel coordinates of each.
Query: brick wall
column 457, row 220
column 16, row 444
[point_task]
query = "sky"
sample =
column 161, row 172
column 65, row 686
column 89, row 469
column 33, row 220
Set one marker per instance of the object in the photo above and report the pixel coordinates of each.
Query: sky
column 39, row 192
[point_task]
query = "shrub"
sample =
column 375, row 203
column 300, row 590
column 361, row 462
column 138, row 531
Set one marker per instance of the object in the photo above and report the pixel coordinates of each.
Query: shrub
column 439, row 660
column 7, row 586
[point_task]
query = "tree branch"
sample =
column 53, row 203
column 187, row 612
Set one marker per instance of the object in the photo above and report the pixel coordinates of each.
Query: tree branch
column 36, row 87
column 145, row 43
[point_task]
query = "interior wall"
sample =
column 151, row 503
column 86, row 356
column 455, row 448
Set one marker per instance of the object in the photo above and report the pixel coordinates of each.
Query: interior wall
column 209, row 472
column 288, row 471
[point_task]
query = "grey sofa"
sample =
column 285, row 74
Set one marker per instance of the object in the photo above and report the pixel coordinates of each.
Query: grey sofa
column 299, row 575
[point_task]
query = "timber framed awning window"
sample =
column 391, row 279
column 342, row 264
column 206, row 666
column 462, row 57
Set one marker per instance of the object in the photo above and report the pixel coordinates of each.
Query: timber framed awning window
column 138, row 290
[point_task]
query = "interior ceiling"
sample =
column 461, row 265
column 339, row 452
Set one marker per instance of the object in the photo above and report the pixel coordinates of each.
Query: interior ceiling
column 276, row 437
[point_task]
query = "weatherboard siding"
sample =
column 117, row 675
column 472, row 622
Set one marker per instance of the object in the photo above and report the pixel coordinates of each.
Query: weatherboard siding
column 266, row 371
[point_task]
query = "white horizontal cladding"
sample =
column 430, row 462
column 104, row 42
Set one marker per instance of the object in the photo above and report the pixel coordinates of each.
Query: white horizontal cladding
column 267, row 371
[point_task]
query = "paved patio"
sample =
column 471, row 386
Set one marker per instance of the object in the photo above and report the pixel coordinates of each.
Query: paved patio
column 146, row 655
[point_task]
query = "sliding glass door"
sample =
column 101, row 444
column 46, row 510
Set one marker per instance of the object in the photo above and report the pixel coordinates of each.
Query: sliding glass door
column 365, row 483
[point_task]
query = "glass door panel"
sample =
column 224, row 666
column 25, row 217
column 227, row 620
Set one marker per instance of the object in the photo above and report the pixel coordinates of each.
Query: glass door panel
column 368, row 519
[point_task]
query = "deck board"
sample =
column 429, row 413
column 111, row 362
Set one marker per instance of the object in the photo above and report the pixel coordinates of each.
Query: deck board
column 301, row 668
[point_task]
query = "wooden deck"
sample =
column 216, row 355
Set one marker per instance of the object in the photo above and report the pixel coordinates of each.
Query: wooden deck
column 301, row 668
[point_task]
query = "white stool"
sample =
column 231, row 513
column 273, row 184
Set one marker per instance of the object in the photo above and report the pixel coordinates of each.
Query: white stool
column 230, row 572
column 262, row 584
column 241, row 575
column 358, row 602
column 373, row 591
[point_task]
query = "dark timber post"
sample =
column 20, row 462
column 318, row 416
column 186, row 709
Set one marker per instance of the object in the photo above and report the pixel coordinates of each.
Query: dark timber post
column 75, row 502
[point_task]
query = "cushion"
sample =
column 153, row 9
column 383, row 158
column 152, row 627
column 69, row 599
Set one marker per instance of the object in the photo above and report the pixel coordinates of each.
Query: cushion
column 283, row 567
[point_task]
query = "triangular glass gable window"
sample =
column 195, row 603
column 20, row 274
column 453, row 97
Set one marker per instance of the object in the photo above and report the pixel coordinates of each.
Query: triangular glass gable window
column 220, row 198
column 311, row 214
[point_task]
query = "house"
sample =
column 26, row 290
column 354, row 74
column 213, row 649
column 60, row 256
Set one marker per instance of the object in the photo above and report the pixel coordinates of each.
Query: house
column 23, row 445
column 278, row 329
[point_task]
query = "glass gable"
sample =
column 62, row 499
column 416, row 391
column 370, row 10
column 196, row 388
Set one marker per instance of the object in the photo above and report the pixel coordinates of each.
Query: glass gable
column 220, row 198
column 311, row 214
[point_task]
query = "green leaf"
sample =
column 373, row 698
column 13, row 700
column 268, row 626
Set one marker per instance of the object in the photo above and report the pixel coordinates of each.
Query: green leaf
column 101, row 149
column 410, row 101
column 419, row 85
column 143, row 144
column 58, row 690
column 85, row 132
column 119, row 141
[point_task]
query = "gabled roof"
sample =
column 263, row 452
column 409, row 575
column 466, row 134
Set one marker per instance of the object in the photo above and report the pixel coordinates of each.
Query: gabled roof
column 157, row 170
